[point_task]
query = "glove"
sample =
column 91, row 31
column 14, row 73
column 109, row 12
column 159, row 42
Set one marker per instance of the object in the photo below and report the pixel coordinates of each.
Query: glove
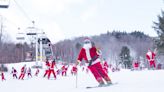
column 77, row 62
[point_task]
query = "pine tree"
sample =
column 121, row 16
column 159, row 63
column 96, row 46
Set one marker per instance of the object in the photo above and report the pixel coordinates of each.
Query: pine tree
column 159, row 28
column 125, row 57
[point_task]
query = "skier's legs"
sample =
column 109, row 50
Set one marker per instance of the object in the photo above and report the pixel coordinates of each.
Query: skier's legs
column 14, row 75
column 29, row 74
column 65, row 73
column 96, row 74
column 62, row 73
column 20, row 76
column 3, row 78
column 152, row 64
column 23, row 76
column 46, row 72
column 102, row 72
column 49, row 74
column 53, row 72
column 36, row 74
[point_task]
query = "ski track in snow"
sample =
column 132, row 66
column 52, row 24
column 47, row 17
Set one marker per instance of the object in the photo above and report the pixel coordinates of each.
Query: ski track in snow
column 128, row 81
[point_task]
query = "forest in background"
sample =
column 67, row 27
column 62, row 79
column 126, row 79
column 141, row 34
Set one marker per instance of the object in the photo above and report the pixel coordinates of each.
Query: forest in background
column 110, row 44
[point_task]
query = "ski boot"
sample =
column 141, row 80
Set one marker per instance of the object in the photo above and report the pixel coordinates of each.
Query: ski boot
column 101, row 84
column 109, row 83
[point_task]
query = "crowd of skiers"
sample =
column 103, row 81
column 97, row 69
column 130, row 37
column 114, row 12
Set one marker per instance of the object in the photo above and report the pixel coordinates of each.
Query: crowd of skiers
column 49, row 71
column 91, row 55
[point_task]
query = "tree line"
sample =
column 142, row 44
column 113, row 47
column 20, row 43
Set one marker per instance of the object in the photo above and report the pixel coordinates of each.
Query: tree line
column 110, row 44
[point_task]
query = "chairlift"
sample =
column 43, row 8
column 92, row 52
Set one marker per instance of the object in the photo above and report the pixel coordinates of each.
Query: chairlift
column 44, row 40
column 4, row 3
column 45, row 46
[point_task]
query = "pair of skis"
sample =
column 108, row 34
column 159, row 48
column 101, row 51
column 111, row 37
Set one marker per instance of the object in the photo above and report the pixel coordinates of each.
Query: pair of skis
column 106, row 85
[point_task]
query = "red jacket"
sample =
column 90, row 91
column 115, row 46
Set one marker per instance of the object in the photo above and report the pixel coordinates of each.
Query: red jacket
column 2, row 74
column 74, row 69
column 136, row 64
column 52, row 65
column 92, row 52
column 63, row 67
column 47, row 64
column 106, row 64
column 23, row 70
column 150, row 55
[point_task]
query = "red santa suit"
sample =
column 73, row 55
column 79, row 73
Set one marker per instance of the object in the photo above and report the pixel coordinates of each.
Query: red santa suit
column 151, row 58
column 14, row 73
column 47, row 68
column 64, row 70
column 2, row 76
column 136, row 65
column 29, row 72
column 52, row 70
column 91, row 56
column 74, row 70
column 105, row 66
column 23, row 71
column 58, row 72
column 37, row 72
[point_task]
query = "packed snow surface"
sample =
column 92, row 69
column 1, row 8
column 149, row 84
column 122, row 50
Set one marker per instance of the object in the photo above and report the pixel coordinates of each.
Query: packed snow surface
column 127, row 81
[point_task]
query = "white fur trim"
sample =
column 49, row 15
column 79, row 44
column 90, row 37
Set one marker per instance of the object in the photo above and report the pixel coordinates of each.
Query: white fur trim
column 149, row 54
column 96, row 61
column 88, row 54
column 87, row 46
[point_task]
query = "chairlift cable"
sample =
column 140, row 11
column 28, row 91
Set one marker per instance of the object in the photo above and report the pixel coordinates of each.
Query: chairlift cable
column 23, row 11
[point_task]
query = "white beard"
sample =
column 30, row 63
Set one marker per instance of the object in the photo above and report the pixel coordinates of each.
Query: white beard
column 149, row 53
column 87, row 46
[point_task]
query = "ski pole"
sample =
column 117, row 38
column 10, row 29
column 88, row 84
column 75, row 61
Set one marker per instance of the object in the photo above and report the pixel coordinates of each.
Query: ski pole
column 76, row 79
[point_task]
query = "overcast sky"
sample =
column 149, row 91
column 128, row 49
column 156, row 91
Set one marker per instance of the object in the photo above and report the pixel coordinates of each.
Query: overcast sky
column 62, row 19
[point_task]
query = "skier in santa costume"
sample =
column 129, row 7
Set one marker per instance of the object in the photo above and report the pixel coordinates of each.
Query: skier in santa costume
column 52, row 70
column 2, row 76
column 105, row 66
column 14, row 72
column 64, row 70
column 151, row 58
column 58, row 71
column 29, row 72
column 37, row 72
column 74, row 70
column 136, row 65
column 47, row 68
column 90, row 54
column 23, row 72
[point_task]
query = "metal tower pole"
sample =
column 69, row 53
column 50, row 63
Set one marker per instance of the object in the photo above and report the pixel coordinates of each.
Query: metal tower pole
column 41, row 49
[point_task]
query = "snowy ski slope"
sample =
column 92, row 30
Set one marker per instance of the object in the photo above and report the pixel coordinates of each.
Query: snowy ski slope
column 128, row 81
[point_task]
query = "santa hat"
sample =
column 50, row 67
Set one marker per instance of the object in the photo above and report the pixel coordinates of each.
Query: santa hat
column 87, row 40
column 149, row 49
